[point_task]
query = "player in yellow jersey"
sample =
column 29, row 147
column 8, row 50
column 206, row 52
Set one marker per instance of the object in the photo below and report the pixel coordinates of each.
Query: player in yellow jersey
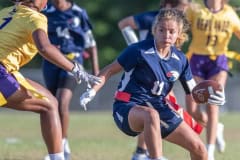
column 212, row 25
column 23, row 33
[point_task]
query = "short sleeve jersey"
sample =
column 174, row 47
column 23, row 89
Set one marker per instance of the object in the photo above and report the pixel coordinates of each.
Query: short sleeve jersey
column 211, row 32
column 17, row 23
column 68, row 28
column 148, row 77
column 144, row 23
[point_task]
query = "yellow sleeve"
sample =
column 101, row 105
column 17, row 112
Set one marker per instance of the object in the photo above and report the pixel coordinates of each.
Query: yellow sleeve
column 37, row 21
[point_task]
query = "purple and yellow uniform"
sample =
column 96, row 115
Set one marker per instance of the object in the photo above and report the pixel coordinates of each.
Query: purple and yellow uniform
column 211, row 34
column 17, row 23
column 149, row 78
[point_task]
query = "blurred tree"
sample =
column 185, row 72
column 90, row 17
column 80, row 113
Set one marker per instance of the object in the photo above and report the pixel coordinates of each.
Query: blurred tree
column 105, row 14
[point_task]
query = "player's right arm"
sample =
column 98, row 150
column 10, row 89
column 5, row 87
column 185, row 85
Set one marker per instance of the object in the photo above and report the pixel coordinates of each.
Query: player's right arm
column 49, row 51
column 104, row 75
column 107, row 72
column 127, row 26
column 53, row 55
column 128, row 21
column 126, row 61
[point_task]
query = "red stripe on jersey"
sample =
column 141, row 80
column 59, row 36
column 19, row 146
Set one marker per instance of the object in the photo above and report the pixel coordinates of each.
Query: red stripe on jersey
column 122, row 96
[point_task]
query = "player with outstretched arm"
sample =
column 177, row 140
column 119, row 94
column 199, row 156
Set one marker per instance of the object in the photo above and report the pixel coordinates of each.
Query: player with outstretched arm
column 23, row 33
column 140, row 104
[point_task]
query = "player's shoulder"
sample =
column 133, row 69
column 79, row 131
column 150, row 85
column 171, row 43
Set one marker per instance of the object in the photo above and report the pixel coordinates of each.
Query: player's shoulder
column 140, row 47
column 6, row 10
column 228, row 8
column 38, row 17
column 195, row 7
column 178, row 54
column 28, row 15
column 145, row 44
column 77, row 8
column 147, row 13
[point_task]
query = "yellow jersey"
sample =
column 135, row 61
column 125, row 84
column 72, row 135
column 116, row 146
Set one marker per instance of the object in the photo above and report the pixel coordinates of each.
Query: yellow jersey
column 211, row 32
column 17, row 23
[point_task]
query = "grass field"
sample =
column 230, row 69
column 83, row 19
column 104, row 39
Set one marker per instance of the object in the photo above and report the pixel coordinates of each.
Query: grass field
column 92, row 136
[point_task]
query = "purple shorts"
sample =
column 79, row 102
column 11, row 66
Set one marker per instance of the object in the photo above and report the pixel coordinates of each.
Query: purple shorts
column 8, row 83
column 204, row 67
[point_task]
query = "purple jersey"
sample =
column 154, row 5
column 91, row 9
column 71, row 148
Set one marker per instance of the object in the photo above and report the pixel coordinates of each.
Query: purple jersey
column 148, row 77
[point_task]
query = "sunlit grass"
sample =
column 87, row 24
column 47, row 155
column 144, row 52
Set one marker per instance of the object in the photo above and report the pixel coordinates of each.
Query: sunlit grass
column 92, row 135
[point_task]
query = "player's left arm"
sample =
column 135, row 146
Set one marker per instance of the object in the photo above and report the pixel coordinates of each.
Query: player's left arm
column 91, row 47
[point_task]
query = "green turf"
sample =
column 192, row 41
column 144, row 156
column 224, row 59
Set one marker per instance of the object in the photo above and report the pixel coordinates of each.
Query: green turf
column 92, row 136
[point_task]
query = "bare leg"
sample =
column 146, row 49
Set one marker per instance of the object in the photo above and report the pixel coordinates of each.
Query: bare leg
column 188, row 140
column 64, row 96
column 141, row 142
column 147, row 120
column 213, row 114
column 49, row 118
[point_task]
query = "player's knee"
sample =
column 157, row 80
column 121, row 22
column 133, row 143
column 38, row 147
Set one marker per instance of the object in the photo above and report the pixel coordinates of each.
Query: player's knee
column 198, row 149
column 152, row 117
column 52, row 105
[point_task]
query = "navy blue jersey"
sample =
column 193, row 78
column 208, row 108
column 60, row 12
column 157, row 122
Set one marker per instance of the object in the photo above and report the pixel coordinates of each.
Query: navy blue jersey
column 147, row 76
column 66, row 29
column 144, row 23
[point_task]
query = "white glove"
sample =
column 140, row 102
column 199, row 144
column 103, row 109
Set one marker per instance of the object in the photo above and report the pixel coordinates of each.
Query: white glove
column 79, row 74
column 86, row 97
column 217, row 98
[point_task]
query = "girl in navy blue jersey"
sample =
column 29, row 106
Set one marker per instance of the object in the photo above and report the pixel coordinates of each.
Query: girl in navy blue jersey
column 70, row 30
column 141, row 24
column 150, row 69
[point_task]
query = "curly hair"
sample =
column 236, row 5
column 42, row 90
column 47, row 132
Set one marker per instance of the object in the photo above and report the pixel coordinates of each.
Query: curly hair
column 179, row 17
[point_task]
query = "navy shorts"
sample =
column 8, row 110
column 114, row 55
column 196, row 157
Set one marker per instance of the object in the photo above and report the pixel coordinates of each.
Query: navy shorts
column 55, row 77
column 204, row 67
column 121, row 111
column 8, row 83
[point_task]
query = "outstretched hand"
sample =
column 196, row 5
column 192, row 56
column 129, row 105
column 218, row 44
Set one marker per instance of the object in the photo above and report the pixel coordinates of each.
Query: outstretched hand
column 79, row 74
column 86, row 97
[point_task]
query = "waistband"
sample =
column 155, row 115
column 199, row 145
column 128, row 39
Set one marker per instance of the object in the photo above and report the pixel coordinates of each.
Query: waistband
column 122, row 96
